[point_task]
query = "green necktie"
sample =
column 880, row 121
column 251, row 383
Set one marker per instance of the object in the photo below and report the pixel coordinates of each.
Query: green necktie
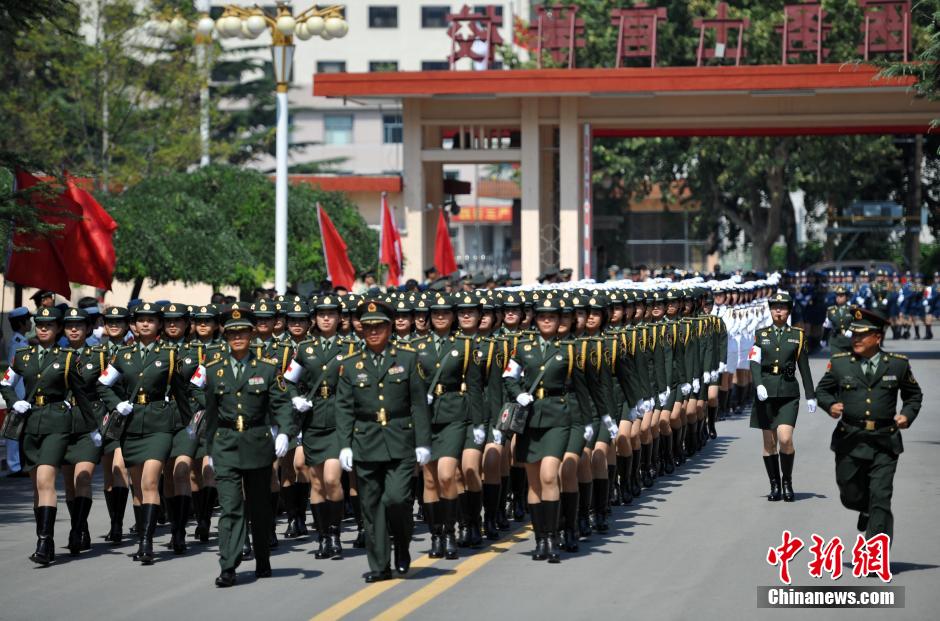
column 237, row 369
column 42, row 354
column 868, row 368
column 377, row 360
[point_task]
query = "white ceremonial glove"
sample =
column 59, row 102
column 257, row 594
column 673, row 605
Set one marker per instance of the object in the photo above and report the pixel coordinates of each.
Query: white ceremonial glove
column 649, row 405
column 98, row 332
column 280, row 445
column 641, row 406
column 847, row 333
column 706, row 377
column 430, row 399
column 22, row 407
column 96, row 438
column 811, row 406
column 497, row 436
column 524, row 399
column 663, row 397
column 686, row 389
column 824, row 344
column 722, row 367
column 714, row 376
column 124, row 408
column 611, row 426
column 301, row 404
column 588, row 433
column 696, row 385
column 422, row 455
column 346, row 459
column 761, row 393
column 479, row 435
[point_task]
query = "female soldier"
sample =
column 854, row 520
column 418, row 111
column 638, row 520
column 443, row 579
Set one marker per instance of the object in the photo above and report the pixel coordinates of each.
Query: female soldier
column 112, row 463
column 775, row 357
column 543, row 373
column 84, row 450
column 456, row 395
column 315, row 371
column 404, row 321
column 48, row 373
column 513, row 474
column 206, row 347
column 718, row 353
column 138, row 384
column 491, row 371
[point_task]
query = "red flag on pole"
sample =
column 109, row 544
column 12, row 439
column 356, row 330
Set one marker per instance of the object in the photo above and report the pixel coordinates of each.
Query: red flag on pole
column 390, row 245
column 88, row 248
column 338, row 268
column 443, row 251
column 43, row 266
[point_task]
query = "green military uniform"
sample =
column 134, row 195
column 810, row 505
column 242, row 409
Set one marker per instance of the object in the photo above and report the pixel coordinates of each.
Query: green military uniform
column 382, row 418
column 777, row 354
column 867, row 440
column 248, row 403
column 114, row 313
column 838, row 318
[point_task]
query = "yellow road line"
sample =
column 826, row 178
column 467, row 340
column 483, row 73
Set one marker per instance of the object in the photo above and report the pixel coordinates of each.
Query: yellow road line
column 426, row 593
column 367, row 594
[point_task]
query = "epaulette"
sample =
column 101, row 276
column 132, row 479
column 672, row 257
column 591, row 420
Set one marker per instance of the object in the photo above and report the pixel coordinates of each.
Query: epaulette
column 796, row 328
column 405, row 347
column 214, row 362
column 311, row 341
column 271, row 361
column 898, row 356
column 842, row 355
column 23, row 348
column 168, row 345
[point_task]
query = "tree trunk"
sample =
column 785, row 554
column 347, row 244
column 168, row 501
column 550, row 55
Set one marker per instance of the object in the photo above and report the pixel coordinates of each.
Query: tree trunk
column 913, row 205
column 766, row 220
column 829, row 246
column 138, row 285
column 789, row 233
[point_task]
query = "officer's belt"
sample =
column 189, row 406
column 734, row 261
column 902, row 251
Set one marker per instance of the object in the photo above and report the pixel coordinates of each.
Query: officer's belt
column 869, row 424
column 142, row 398
column 43, row 400
column 545, row 393
column 324, row 392
column 440, row 389
column 241, row 423
column 382, row 416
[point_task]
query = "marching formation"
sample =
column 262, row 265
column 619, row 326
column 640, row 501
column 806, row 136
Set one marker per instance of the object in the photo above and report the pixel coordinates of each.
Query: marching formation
column 467, row 410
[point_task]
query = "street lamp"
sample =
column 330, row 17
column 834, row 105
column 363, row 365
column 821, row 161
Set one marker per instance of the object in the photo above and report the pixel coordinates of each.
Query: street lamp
column 250, row 23
column 328, row 23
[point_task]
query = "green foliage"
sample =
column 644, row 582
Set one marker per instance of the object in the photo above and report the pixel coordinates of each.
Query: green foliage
column 216, row 225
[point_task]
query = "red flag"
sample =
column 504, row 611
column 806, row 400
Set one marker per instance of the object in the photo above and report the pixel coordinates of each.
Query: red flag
column 88, row 249
column 44, row 266
column 443, row 251
column 338, row 268
column 390, row 245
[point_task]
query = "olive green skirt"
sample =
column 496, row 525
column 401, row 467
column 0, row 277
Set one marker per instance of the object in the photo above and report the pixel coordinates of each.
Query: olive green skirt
column 109, row 445
column 536, row 444
column 138, row 448
column 576, row 441
column 48, row 449
column 320, row 445
column 202, row 450
column 81, row 449
column 183, row 445
column 447, row 439
column 775, row 411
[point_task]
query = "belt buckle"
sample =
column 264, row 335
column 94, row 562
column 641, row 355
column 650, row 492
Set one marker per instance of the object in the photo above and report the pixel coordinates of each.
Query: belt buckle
column 439, row 390
column 540, row 393
column 240, row 423
column 324, row 391
column 141, row 399
column 381, row 417
column 869, row 425
column 40, row 400
column 463, row 387
column 775, row 370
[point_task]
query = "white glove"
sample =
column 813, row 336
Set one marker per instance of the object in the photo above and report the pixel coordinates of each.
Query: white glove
column 588, row 433
column 686, row 389
column 191, row 432
column 301, row 404
column 640, row 406
column 824, row 343
column 848, row 333
column 422, row 455
column 696, row 385
column 650, row 405
column 524, row 399
column 761, row 393
column 430, row 399
column 497, row 436
column 274, row 431
column 706, row 377
column 663, row 396
column 96, row 438
column 346, row 459
column 811, row 406
column 22, row 407
column 722, row 367
column 280, row 445
column 98, row 332
column 715, row 375
column 124, row 408
column 479, row 435
column 611, row 426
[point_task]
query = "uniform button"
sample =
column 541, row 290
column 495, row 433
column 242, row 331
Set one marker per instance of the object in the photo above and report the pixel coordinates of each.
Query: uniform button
column 541, row 368
column 323, row 368
column 381, row 385
column 867, row 413
column 140, row 375
column 867, row 400
column 778, row 349
column 238, row 394
column 381, row 398
column 437, row 364
column 38, row 375
column 239, row 406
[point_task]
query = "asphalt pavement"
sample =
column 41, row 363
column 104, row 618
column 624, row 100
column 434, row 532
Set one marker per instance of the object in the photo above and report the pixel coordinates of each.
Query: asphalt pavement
column 692, row 547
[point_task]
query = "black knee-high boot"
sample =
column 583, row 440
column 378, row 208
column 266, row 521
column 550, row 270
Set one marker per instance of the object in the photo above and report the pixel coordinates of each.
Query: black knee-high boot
column 461, row 528
column 324, row 541
column 646, row 451
column 551, row 515
column 448, row 508
column 584, row 509
column 517, row 477
column 289, row 500
column 613, row 495
column 656, row 464
column 432, row 517
column 502, row 512
column 145, row 530
column 472, row 518
column 109, row 502
column 538, row 527
column 45, row 530
column 301, row 499
column 772, row 465
column 118, row 507
column 569, row 521
column 623, row 481
column 786, row 468
column 336, row 527
column 83, row 521
column 491, row 497
column 712, row 419
column 275, row 498
column 183, row 504
column 666, row 459
column 75, row 535
column 635, row 481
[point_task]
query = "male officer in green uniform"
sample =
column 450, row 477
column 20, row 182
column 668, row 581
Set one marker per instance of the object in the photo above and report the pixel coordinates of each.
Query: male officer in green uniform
column 383, row 423
column 249, row 419
column 836, row 326
column 861, row 389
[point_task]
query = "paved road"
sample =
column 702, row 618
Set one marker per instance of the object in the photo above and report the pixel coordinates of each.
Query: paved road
column 692, row 547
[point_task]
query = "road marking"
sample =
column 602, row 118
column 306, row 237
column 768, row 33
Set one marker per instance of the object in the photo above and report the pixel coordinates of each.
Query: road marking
column 426, row 593
column 370, row 592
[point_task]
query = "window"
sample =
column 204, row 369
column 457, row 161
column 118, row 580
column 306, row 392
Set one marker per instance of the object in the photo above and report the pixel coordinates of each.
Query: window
column 435, row 65
column 383, row 65
column 481, row 9
column 434, row 16
column 391, row 128
column 331, row 66
column 383, row 17
column 337, row 128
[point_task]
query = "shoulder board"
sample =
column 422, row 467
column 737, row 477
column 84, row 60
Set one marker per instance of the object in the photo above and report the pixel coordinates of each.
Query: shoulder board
column 213, row 362
column 25, row 348
column 271, row 361
column 310, row 341
column 898, row 356
column 842, row 355
column 404, row 347
column 168, row 345
column 795, row 328
column 126, row 347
